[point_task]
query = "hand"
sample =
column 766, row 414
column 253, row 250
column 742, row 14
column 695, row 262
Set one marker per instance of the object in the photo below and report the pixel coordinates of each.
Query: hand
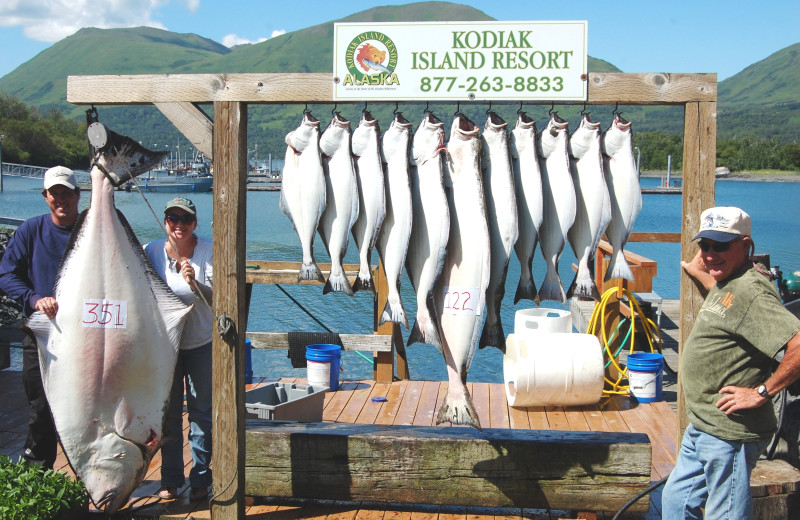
column 736, row 398
column 187, row 271
column 47, row 305
column 695, row 265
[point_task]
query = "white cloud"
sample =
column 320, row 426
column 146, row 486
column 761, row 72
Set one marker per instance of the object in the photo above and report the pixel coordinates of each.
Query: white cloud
column 231, row 40
column 53, row 20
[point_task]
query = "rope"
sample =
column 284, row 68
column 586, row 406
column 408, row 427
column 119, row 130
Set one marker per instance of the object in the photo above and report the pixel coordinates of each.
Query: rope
column 648, row 327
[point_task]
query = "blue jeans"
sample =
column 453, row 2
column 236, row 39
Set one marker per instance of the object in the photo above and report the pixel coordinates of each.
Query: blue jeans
column 193, row 369
column 713, row 474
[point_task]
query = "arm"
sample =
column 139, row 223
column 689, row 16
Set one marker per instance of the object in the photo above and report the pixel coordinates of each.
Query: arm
column 738, row 398
column 697, row 270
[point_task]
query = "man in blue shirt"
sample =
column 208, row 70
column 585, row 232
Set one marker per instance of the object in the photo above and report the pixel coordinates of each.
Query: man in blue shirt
column 28, row 274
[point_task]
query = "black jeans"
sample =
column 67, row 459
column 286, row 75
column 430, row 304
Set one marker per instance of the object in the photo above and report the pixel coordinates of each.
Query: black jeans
column 41, row 444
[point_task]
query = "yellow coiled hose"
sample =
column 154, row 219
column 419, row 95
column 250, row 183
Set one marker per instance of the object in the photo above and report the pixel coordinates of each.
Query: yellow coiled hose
column 648, row 327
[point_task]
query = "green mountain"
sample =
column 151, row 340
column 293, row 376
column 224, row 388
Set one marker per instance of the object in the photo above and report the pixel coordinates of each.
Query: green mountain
column 761, row 100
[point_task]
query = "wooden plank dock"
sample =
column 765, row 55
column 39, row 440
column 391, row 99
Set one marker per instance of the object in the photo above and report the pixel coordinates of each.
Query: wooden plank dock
column 416, row 403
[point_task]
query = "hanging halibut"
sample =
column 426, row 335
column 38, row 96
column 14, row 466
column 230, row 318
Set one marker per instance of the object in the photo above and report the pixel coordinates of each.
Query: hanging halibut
column 303, row 190
column 528, row 186
column 109, row 355
column 371, row 196
column 460, row 293
column 341, row 200
column 396, row 229
column 501, row 215
column 558, row 203
column 431, row 227
column 593, row 211
column 622, row 180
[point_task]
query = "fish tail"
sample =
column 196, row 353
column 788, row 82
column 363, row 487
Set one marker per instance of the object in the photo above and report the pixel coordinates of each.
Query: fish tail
column 458, row 409
column 310, row 271
column 425, row 329
column 583, row 286
column 395, row 312
column 363, row 284
column 618, row 266
column 493, row 336
column 525, row 290
column 551, row 287
column 338, row 283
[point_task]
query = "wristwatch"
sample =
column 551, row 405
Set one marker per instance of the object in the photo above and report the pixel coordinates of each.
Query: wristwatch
column 762, row 391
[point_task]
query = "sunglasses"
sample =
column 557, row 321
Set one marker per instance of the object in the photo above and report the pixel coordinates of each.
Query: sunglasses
column 184, row 219
column 719, row 247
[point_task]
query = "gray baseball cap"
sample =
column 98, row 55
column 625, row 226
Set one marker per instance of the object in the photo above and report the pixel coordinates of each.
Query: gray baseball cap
column 182, row 203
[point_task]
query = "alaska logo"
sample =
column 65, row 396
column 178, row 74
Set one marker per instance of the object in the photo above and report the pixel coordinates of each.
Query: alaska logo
column 371, row 60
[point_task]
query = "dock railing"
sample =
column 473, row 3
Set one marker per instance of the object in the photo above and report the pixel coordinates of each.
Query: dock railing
column 383, row 342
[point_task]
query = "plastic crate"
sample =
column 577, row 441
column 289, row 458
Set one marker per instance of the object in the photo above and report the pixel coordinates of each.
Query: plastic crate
column 286, row 402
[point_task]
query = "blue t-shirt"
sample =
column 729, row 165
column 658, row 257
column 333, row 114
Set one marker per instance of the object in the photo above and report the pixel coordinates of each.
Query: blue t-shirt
column 30, row 264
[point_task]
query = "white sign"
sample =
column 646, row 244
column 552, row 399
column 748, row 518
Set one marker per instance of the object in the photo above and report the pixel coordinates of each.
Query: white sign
column 460, row 61
column 104, row 314
column 461, row 300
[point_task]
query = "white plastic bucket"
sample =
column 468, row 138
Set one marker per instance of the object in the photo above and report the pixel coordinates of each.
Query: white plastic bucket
column 542, row 319
column 553, row 368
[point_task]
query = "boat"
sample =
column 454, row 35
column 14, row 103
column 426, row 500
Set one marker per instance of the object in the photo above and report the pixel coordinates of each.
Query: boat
column 173, row 181
column 721, row 171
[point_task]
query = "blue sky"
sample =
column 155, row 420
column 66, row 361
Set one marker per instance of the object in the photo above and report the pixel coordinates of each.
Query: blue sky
column 636, row 36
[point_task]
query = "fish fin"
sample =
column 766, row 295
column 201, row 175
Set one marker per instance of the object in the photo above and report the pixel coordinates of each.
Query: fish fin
column 618, row 267
column 525, row 290
column 338, row 283
column 584, row 288
column 310, row 272
column 395, row 312
column 363, row 284
column 123, row 417
column 416, row 335
column 38, row 324
column 493, row 336
column 459, row 410
column 551, row 288
column 572, row 287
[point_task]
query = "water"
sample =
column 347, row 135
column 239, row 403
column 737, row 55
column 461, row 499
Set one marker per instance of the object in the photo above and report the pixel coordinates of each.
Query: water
column 270, row 237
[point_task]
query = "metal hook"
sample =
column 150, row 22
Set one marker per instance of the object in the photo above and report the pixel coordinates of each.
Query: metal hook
column 584, row 112
column 519, row 110
column 396, row 107
column 458, row 108
column 306, row 110
column 365, row 105
column 427, row 104
column 91, row 115
column 552, row 110
column 616, row 110
column 489, row 109
column 333, row 110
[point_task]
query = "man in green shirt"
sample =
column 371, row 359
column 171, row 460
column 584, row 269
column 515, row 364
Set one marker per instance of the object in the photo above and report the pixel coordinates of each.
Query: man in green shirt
column 726, row 373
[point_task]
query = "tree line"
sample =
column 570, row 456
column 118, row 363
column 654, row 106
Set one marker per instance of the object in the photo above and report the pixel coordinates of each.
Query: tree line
column 46, row 137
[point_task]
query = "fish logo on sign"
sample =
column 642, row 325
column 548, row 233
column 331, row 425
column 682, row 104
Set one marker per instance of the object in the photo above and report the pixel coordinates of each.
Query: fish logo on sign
column 371, row 61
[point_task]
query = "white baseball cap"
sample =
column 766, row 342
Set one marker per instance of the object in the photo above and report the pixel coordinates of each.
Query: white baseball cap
column 724, row 223
column 59, row 175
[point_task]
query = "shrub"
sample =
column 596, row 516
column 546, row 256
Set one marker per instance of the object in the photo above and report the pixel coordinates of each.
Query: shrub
column 29, row 492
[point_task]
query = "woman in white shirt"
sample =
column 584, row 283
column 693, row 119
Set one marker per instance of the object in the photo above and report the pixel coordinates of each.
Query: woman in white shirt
column 183, row 260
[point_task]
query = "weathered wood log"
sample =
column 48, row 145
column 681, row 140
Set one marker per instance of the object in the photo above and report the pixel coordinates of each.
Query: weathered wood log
column 596, row 471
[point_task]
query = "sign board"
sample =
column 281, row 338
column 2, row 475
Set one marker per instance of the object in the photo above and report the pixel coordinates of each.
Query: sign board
column 429, row 61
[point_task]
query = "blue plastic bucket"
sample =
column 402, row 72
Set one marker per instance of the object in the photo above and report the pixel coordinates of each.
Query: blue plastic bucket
column 248, row 363
column 323, row 361
column 645, row 376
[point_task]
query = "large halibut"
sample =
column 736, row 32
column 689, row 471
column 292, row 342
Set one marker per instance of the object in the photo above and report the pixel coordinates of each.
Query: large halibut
column 108, row 357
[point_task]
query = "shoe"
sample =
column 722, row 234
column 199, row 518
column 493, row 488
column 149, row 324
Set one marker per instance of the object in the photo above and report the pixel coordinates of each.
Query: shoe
column 168, row 493
column 198, row 493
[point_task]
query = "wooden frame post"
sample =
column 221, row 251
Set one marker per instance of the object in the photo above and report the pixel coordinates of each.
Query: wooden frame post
column 699, row 160
column 230, row 176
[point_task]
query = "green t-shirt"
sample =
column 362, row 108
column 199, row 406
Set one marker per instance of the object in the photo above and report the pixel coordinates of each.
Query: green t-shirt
column 738, row 331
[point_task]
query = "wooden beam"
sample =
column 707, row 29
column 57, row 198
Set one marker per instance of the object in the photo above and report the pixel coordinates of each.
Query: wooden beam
column 193, row 123
column 280, row 341
column 699, row 181
column 447, row 466
column 276, row 272
column 230, row 199
column 605, row 88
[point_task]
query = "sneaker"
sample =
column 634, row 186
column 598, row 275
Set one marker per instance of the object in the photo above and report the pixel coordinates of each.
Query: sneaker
column 198, row 493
